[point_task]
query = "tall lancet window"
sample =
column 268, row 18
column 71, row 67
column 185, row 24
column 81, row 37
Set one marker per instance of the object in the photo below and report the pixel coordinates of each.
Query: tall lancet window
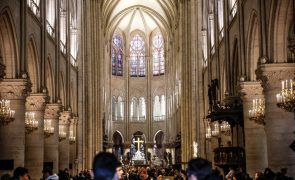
column 204, row 48
column 157, row 108
column 117, row 55
column 163, row 106
column 120, row 108
column 142, row 109
column 233, row 7
column 158, row 55
column 74, row 44
column 34, row 6
column 137, row 57
column 63, row 25
column 220, row 19
column 114, row 108
column 50, row 17
column 134, row 109
column 212, row 31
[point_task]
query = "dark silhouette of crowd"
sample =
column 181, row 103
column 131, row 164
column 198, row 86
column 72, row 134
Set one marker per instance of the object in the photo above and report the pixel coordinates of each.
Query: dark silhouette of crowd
column 107, row 167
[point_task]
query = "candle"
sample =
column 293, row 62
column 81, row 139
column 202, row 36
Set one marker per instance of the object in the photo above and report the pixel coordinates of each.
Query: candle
column 282, row 85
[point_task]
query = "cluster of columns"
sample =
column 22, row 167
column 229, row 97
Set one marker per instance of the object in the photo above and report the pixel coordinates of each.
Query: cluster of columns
column 33, row 150
column 268, row 146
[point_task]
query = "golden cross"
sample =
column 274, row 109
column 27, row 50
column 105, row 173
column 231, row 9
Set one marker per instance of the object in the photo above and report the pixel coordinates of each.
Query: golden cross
column 138, row 143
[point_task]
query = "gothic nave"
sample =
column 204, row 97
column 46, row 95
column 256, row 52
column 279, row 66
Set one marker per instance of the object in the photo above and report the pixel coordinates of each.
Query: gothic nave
column 156, row 82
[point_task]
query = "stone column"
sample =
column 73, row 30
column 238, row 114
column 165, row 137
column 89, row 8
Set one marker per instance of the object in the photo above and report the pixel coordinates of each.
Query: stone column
column 51, row 142
column 255, row 137
column 34, row 152
column 64, row 145
column 280, row 124
column 12, row 136
column 73, row 146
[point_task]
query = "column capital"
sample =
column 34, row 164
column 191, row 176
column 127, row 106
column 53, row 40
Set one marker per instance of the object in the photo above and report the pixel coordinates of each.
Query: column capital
column 52, row 111
column 74, row 120
column 65, row 117
column 273, row 74
column 14, row 89
column 36, row 102
column 250, row 89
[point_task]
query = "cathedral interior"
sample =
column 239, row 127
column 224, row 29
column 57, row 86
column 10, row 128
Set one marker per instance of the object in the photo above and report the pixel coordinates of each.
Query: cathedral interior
column 156, row 82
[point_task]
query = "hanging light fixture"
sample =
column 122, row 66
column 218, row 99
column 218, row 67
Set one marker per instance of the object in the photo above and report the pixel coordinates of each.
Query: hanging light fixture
column 225, row 128
column 215, row 129
column 31, row 124
column 256, row 113
column 208, row 134
column 72, row 138
column 286, row 98
column 62, row 135
column 6, row 114
column 48, row 129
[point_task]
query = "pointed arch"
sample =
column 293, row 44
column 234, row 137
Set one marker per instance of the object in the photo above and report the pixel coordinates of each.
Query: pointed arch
column 159, row 137
column 8, row 44
column 33, row 65
column 280, row 21
column 253, row 44
column 49, row 78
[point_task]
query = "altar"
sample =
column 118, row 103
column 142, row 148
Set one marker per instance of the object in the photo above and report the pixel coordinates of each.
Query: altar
column 139, row 157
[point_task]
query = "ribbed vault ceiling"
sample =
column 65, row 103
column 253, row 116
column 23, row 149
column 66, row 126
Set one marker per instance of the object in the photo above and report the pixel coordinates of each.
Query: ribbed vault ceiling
column 144, row 15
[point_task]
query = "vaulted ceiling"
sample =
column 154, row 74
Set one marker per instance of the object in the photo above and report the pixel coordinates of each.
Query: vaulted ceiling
column 144, row 15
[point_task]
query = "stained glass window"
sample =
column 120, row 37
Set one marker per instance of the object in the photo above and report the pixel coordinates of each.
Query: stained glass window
column 158, row 55
column 117, row 55
column 137, row 57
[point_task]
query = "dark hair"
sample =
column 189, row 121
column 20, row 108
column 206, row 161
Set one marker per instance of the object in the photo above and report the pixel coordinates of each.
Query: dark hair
column 47, row 170
column 19, row 171
column 199, row 167
column 104, row 166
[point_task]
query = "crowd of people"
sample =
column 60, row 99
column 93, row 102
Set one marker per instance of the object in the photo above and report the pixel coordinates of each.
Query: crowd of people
column 107, row 167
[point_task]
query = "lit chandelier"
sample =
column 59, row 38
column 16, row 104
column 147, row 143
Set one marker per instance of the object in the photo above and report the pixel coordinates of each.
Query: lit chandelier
column 62, row 135
column 208, row 134
column 256, row 113
column 31, row 124
column 72, row 138
column 225, row 128
column 48, row 129
column 6, row 114
column 286, row 98
column 215, row 130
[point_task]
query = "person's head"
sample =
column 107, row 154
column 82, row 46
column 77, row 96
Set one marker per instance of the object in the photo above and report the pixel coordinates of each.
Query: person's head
column 120, row 172
column 21, row 173
column 198, row 169
column 5, row 177
column 47, row 171
column 284, row 171
column 143, row 175
column 258, row 175
column 104, row 166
